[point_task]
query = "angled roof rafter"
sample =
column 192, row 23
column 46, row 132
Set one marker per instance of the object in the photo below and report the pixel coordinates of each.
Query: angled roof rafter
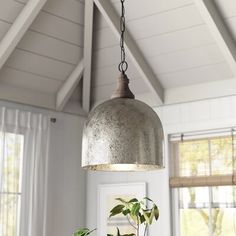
column 19, row 28
column 219, row 31
column 68, row 87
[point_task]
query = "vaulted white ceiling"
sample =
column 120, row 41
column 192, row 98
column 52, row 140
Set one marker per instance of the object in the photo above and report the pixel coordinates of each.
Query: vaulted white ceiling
column 177, row 50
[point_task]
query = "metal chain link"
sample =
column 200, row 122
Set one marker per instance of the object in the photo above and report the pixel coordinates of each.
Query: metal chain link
column 123, row 66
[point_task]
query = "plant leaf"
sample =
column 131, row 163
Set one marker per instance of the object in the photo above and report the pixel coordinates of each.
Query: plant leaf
column 128, row 234
column 83, row 232
column 146, row 198
column 135, row 209
column 156, row 212
column 121, row 200
column 133, row 200
column 142, row 218
column 116, row 210
column 152, row 215
column 147, row 215
column 125, row 212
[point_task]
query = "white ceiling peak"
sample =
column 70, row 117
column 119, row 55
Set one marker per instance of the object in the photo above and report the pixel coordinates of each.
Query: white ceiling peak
column 139, row 61
column 19, row 28
column 219, row 31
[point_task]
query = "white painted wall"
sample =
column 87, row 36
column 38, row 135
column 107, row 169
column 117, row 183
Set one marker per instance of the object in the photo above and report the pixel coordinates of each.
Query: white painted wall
column 66, row 181
column 200, row 115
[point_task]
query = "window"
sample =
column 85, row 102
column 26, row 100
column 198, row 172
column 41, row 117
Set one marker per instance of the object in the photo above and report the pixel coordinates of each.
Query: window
column 204, row 195
column 11, row 158
column 24, row 152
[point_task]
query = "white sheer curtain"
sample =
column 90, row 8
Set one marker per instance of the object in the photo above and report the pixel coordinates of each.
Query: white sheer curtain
column 24, row 144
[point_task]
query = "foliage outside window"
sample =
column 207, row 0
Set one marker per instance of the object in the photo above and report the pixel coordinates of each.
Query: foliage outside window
column 11, row 157
column 204, row 209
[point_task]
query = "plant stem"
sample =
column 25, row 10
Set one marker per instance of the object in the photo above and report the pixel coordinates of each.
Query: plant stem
column 138, row 230
column 131, row 223
column 145, row 231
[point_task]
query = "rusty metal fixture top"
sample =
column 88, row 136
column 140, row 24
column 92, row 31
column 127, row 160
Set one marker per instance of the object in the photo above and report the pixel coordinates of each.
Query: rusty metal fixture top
column 122, row 90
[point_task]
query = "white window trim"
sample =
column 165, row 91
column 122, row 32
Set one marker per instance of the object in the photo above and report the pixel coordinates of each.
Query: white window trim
column 175, row 212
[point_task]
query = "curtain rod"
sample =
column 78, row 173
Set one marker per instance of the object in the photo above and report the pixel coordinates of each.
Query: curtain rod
column 203, row 132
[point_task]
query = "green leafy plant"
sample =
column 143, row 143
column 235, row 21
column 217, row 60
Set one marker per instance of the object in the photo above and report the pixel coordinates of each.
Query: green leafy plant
column 137, row 213
column 83, row 232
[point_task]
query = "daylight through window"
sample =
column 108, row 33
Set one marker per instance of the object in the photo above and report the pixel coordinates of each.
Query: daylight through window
column 11, row 158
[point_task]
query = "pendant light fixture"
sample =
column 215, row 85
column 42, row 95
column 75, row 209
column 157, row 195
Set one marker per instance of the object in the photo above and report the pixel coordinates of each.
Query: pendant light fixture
column 122, row 134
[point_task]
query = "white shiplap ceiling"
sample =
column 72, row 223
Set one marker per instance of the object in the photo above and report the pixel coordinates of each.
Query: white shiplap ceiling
column 46, row 55
column 173, row 36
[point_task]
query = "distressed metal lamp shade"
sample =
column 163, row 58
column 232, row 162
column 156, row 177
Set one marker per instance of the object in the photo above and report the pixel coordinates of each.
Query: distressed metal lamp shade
column 123, row 134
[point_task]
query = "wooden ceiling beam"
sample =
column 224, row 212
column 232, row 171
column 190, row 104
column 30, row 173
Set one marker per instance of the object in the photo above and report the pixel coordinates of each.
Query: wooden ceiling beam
column 19, row 28
column 111, row 17
column 88, row 48
column 219, row 30
column 69, row 86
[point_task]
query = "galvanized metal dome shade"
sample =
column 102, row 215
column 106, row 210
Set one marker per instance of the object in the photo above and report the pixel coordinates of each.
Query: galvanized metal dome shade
column 123, row 134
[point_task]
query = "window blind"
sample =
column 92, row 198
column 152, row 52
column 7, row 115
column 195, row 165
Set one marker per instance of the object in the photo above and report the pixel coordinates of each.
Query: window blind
column 201, row 181
column 203, row 158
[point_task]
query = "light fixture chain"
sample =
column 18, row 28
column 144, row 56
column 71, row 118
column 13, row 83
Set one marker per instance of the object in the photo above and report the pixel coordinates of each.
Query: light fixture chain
column 123, row 66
